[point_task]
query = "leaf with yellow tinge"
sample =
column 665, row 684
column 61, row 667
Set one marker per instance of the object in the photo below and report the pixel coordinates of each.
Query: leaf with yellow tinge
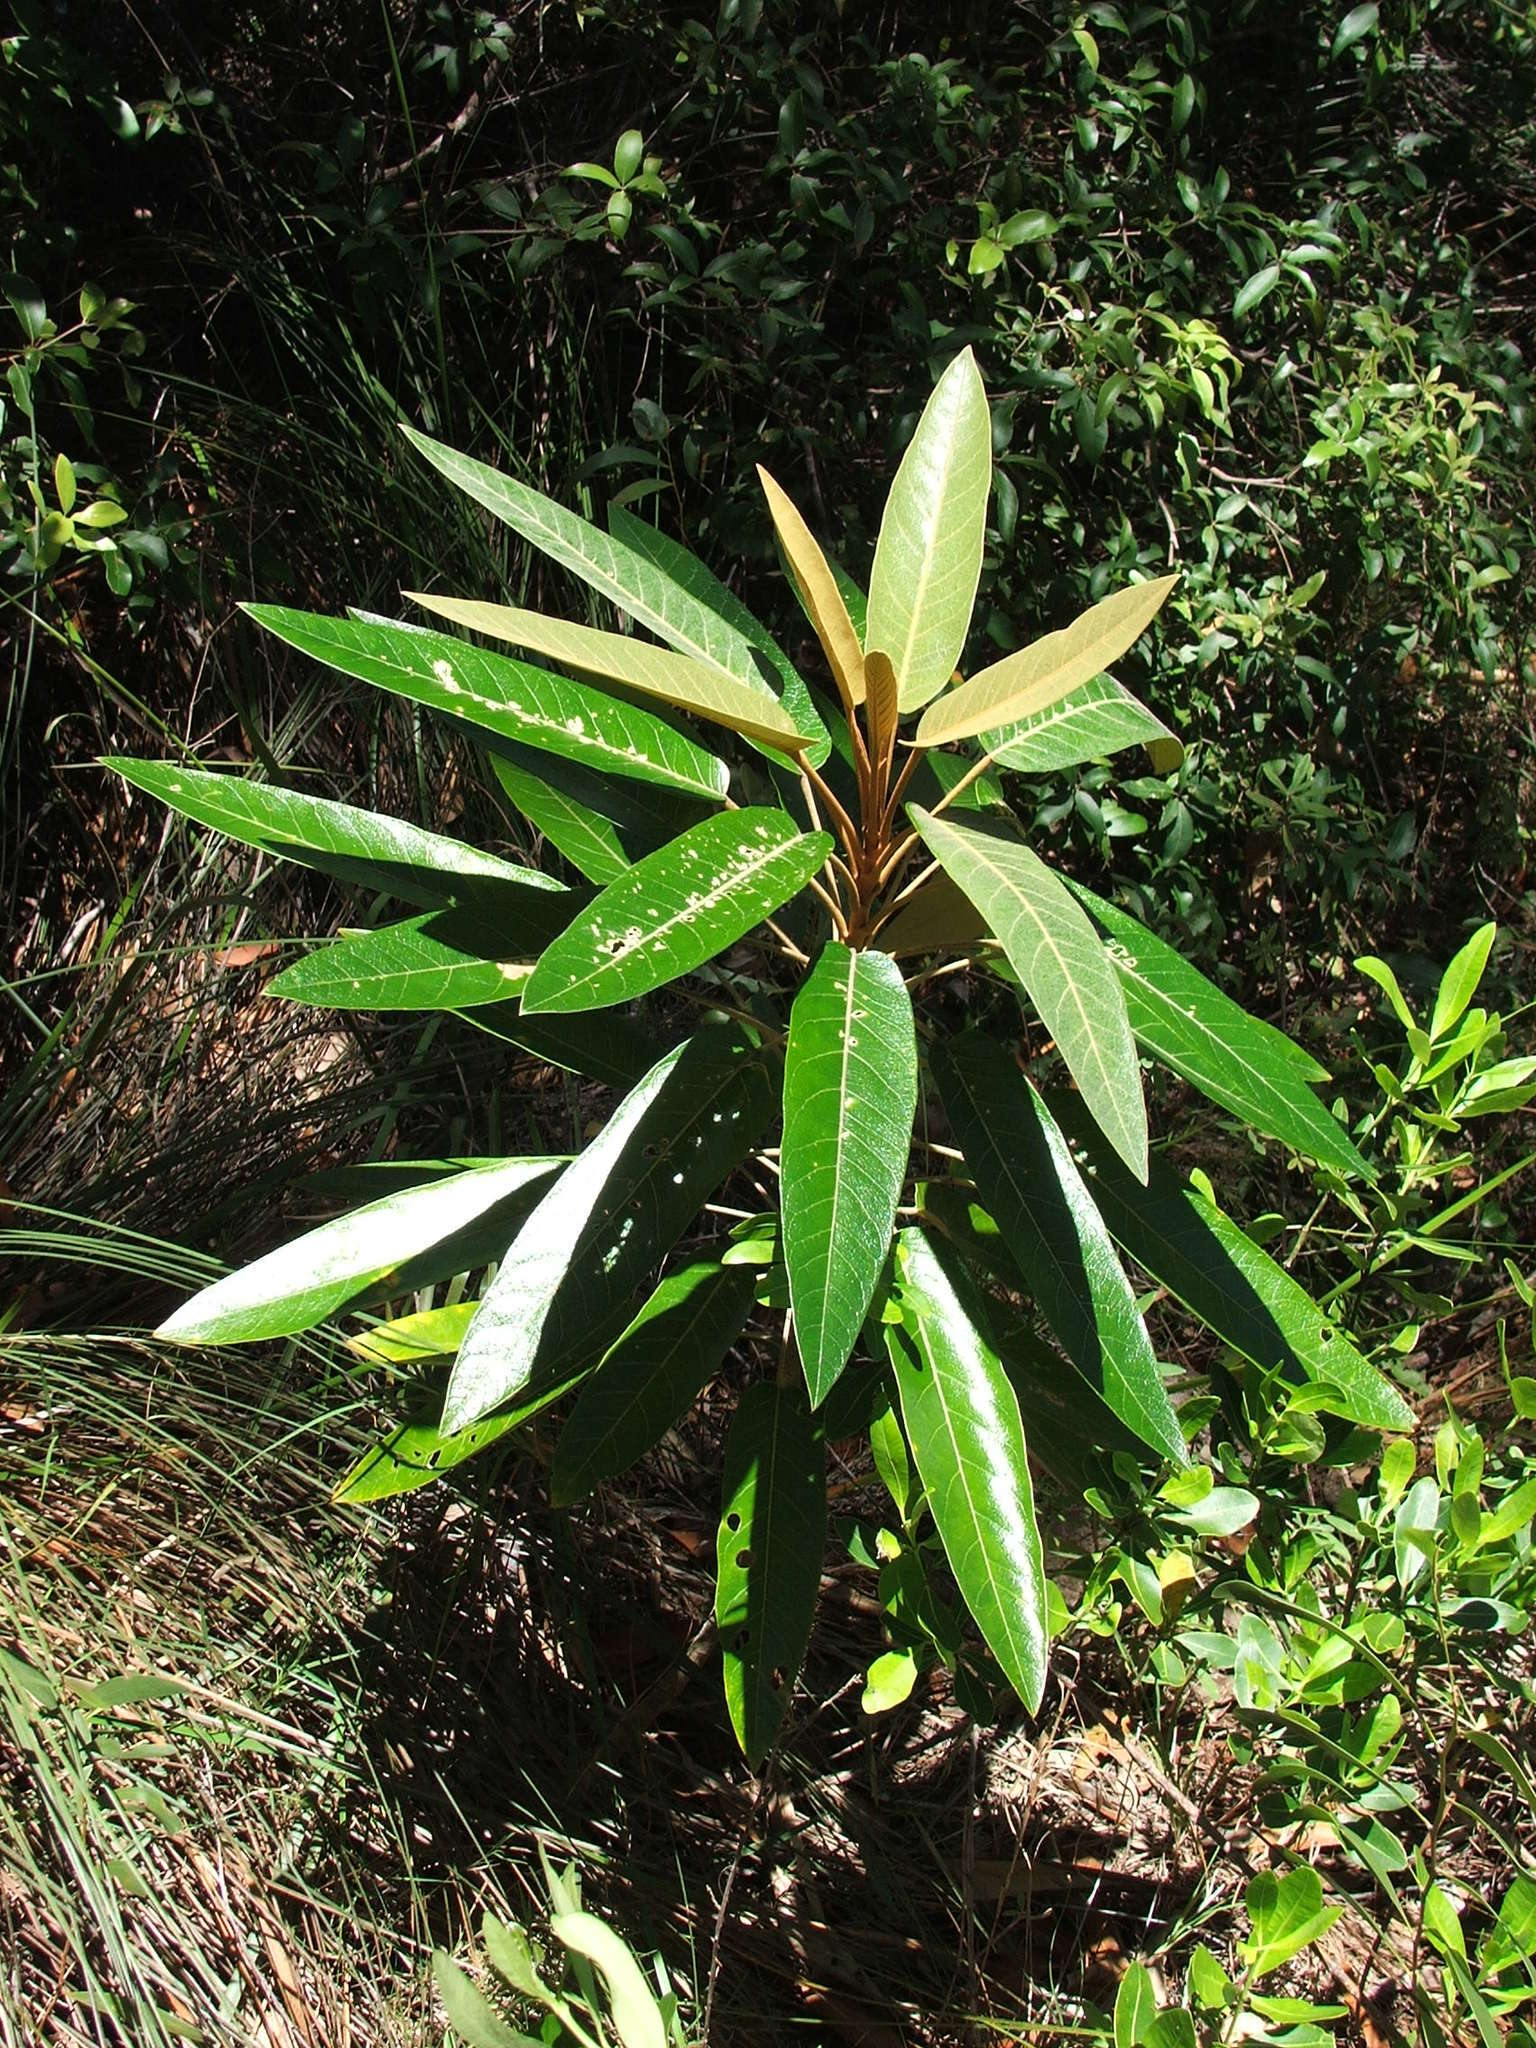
column 928, row 557
column 1062, row 962
column 748, row 708
column 884, row 710
column 1039, row 675
column 818, row 587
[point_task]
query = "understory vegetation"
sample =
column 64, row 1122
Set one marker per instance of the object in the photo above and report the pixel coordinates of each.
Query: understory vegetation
column 550, row 1493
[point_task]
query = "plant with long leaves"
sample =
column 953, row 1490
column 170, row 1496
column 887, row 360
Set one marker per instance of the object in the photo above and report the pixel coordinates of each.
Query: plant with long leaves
column 944, row 1253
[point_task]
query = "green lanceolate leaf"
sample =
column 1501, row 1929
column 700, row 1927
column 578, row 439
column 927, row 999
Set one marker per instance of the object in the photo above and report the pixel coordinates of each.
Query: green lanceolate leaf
column 1098, row 719
column 1186, row 1244
column 1061, row 961
column 1025, row 1175
column 1040, row 675
column 772, row 1535
column 617, row 1051
column 652, row 1375
column 962, row 1419
column 676, row 909
column 564, row 1290
column 647, row 592
column 509, row 697
column 600, row 824
column 928, row 557
column 850, row 1091
column 692, row 576
column 676, row 679
column 427, row 963
column 340, row 839
column 347, row 1260
column 1247, row 1066
column 415, row 1453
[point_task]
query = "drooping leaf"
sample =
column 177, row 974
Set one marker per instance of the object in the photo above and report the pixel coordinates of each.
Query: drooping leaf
column 928, row 556
column 433, row 962
column 466, row 1216
column 850, row 1091
column 1219, row 1273
column 600, row 824
column 1096, row 720
column 564, row 1289
column 1247, row 1066
column 1027, row 1179
column 962, row 1419
column 513, row 698
column 652, row 1375
column 768, row 1556
column 819, row 592
column 676, row 909
column 647, row 592
column 1030, row 681
column 939, row 917
column 691, row 575
column 340, row 839
column 676, row 679
column 1061, row 961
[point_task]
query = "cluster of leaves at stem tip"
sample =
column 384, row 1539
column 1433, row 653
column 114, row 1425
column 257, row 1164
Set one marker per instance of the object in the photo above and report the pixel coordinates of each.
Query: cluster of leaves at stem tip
column 931, row 1247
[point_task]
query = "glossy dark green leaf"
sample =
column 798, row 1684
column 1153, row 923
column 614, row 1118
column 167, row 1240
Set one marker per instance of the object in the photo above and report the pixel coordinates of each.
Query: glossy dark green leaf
column 1095, row 721
column 1218, row 1272
column 564, row 1290
column 1247, row 1066
column 340, row 839
column 420, row 1450
column 652, row 1375
column 602, row 825
column 427, row 963
column 962, row 1419
column 1027, row 1180
column 928, row 556
column 700, row 583
column 615, row 1050
column 1062, row 962
column 676, row 909
column 850, row 1090
column 569, row 719
column 349, row 1259
column 769, row 1551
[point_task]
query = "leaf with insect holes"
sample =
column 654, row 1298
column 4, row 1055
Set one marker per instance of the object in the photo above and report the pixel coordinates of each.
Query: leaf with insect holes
column 962, row 1419
column 1062, row 962
column 512, row 698
column 850, row 1091
column 415, row 1453
column 652, row 1375
column 348, row 1259
column 564, row 1290
column 1026, row 1177
column 340, row 839
column 819, row 592
column 1246, row 1065
column 601, row 825
column 676, row 909
column 1201, row 1256
column 928, row 556
column 1037, row 676
column 769, row 1549
column 1094, row 721
column 750, row 709
column 440, row 961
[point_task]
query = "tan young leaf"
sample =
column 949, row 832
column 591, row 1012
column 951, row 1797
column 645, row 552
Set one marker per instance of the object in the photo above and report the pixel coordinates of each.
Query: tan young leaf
column 882, row 712
column 818, row 587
